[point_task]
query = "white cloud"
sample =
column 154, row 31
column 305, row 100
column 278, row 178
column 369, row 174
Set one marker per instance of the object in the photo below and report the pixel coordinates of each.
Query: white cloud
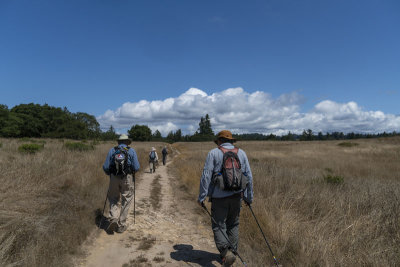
column 241, row 112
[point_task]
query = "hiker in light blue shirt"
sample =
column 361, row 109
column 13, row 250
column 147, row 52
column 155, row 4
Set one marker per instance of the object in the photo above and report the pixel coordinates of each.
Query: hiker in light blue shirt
column 133, row 161
column 225, row 204
column 121, row 164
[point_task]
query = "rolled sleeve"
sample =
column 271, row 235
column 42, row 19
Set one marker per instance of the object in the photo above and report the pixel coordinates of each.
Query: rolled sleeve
column 248, row 192
column 206, row 177
column 106, row 165
column 134, row 160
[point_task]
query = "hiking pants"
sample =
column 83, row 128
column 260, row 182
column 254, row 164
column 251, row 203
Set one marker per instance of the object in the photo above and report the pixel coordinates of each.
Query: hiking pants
column 225, row 212
column 121, row 186
column 164, row 159
column 152, row 166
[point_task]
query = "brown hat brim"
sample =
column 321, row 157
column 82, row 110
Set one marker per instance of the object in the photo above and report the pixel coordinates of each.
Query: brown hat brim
column 233, row 140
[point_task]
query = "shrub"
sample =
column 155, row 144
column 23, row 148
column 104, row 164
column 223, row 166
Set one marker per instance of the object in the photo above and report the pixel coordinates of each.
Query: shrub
column 95, row 142
column 30, row 148
column 347, row 144
column 333, row 179
column 78, row 146
column 1, row 145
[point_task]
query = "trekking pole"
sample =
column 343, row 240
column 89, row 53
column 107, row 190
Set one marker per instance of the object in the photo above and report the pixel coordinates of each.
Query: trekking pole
column 266, row 241
column 227, row 239
column 102, row 214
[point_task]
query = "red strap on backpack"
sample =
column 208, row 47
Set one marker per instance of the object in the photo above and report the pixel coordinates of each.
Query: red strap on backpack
column 234, row 150
column 224, row 150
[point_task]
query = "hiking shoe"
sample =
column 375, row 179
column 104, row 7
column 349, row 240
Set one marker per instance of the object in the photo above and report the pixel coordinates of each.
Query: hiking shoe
column 121, row 229
column 112, row 226
column 229, row 259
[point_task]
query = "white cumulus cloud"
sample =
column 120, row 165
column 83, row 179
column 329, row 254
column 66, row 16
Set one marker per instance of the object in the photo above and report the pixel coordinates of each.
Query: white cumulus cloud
column 242, row 112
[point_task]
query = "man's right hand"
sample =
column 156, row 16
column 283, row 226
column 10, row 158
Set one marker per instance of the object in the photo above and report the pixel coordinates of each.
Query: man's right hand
column 247, row 203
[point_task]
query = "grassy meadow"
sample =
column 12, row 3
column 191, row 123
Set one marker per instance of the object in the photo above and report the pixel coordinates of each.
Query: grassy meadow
column 49, row 199
column 331, row 203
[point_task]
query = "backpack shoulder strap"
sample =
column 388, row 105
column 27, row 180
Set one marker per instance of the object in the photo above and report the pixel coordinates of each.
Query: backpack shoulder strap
column 224, row 150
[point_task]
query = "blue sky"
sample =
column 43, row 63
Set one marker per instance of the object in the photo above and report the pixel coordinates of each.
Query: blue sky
column 104, row 57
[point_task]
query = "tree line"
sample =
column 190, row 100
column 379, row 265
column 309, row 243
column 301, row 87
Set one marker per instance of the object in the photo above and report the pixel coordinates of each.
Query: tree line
column 309, row 135
column 34, row 120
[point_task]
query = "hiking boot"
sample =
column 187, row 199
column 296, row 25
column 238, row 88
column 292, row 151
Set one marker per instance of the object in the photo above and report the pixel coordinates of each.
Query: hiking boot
column 121, row 229
column 229, row 259
column 112, row 226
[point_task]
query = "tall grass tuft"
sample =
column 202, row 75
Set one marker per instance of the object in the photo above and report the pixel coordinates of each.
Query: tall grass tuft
column 347, row 144
column 78, row 146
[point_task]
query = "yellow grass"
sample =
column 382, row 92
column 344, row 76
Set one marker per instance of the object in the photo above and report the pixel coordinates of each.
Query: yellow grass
column 49, row 200
column 308, row 221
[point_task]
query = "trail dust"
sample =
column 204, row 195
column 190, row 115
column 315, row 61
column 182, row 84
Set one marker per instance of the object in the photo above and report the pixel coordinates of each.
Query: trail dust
column 170, row 230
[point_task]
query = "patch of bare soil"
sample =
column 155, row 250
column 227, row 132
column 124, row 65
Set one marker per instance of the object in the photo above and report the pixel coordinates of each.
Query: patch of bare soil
column 170, row 230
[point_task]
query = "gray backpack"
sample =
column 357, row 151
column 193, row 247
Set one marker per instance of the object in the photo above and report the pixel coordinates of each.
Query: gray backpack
column 231, row 177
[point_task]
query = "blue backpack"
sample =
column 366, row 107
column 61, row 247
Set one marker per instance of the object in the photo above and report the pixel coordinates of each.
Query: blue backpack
column 152, row 155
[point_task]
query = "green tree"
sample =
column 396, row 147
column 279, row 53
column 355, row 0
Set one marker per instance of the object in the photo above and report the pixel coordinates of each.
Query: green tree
column 170, row 136
column 109, row 134
column 204, row 132
column 4, row 115
column 178, row 135
column 34, row 120
column 92, row 126
column 289, row 137
column 140, row 133
column 157, row 134
column 205, row 126
column 307, row 135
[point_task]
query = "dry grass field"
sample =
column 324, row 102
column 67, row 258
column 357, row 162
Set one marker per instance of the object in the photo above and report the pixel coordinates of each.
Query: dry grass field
column 48, row 200
column 320, row 203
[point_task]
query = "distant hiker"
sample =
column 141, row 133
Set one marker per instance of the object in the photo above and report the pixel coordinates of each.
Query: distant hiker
column 226, row 179
column 153, row 159
column 164, row 155
column 121, row 164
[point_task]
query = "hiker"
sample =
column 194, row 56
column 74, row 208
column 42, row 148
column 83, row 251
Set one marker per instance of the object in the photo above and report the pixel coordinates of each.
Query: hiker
column 164, row 155
column 153, row 159
column 121, row 164
column 226, row 198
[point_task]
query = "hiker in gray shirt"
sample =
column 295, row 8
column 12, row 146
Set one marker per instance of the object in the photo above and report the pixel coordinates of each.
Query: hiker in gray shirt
column 226, row 202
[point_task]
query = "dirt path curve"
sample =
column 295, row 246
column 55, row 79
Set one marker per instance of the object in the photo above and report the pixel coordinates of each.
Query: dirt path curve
column 170, row 230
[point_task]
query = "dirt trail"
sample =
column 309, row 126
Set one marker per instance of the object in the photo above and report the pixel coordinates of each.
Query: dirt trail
column 170, row 230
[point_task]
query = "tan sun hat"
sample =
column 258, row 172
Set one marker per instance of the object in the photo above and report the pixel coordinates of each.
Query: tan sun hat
column 124, row 137
column 153, row 149
column 225, row 134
